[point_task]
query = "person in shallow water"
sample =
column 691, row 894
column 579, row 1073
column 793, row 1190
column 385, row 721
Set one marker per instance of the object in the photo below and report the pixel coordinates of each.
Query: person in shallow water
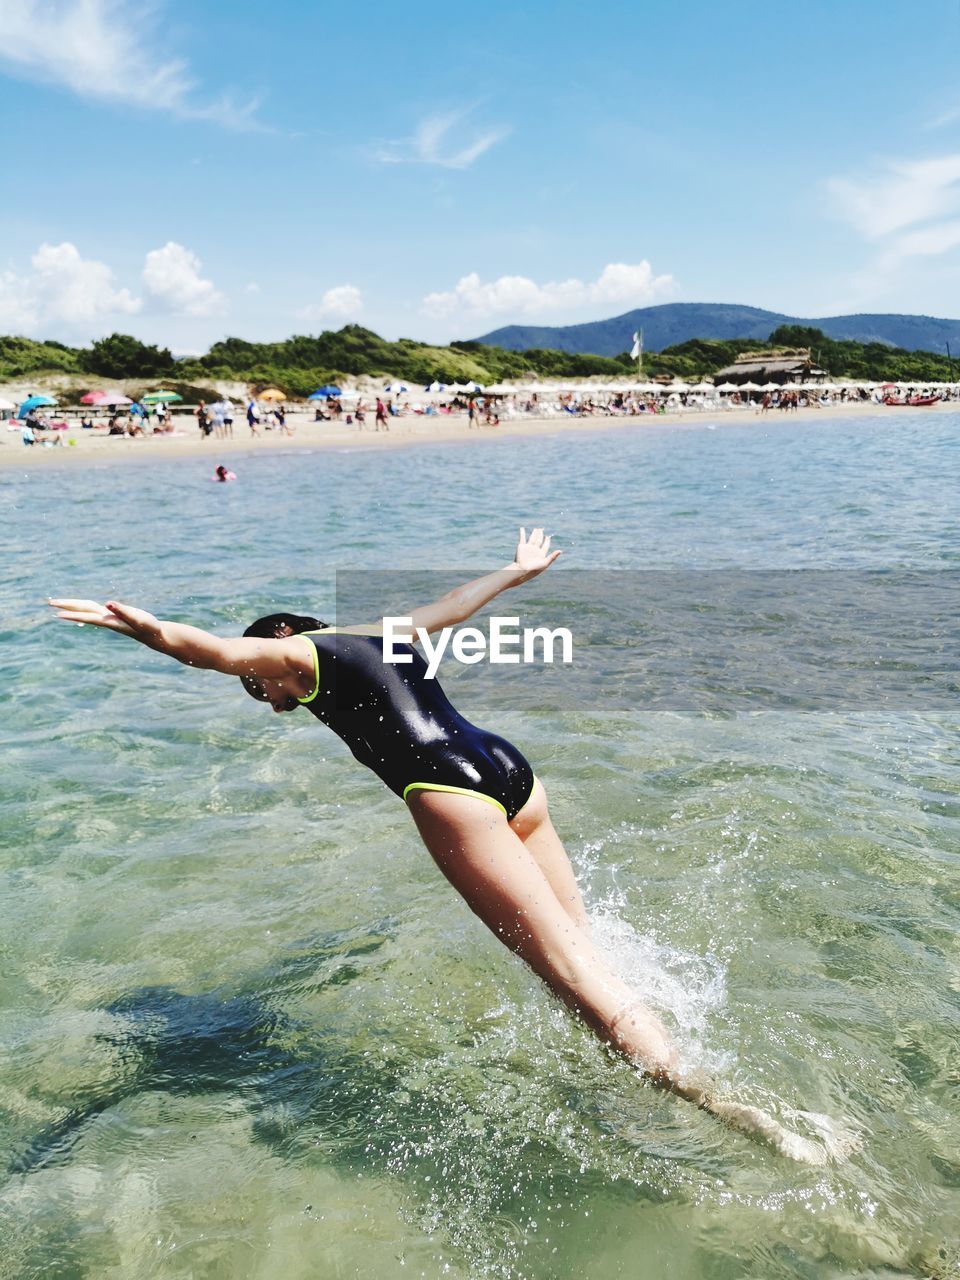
column 474, row 798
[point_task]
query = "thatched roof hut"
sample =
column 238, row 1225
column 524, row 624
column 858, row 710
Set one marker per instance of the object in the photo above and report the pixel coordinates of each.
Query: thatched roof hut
column 771, row 366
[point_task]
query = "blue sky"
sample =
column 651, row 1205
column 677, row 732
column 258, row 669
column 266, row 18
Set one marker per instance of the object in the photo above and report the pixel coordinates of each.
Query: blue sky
column 188, row 171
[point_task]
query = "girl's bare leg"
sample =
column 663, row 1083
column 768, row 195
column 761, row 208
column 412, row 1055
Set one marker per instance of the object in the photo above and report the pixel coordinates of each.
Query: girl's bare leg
column 502, row 882
column 532, row 824
column 489, row 865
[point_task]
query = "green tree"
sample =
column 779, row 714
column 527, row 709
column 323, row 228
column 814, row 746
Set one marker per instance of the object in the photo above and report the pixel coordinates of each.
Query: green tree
column 122, row 356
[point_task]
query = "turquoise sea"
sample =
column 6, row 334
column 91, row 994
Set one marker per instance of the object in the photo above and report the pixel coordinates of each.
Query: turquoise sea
column 247, row 1030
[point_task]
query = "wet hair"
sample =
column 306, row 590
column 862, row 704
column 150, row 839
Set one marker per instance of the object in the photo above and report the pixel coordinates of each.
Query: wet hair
column 275, row 626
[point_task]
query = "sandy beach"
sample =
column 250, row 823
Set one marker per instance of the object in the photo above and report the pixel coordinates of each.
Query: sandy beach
column 88, row 447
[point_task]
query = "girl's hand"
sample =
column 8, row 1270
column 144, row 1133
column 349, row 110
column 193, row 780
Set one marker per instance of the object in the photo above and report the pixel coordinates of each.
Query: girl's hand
column 533, row 554
column 124, row 618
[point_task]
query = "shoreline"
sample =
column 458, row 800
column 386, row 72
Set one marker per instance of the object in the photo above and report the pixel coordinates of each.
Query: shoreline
column 404, row 432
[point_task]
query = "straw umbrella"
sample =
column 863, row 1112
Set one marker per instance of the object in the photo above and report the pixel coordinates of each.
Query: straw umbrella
column 272, row 393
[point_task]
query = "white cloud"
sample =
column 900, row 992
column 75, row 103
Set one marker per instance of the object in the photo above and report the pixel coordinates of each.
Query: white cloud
column 903, row 193
column 619, row 284
column 438, row 141
column 908, row 208
column 343, row 302
column 64, row 292
column 928, row 241
column 171, row 276
column 107, row 50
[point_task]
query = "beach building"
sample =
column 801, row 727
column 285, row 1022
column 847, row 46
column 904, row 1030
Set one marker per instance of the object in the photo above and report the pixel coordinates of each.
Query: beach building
column 762, row 367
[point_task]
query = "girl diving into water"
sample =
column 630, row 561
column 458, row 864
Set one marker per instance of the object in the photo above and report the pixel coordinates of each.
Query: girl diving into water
column 474, row 798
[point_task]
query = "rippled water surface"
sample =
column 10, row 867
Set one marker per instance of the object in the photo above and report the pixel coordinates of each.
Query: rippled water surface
column 248, row 1031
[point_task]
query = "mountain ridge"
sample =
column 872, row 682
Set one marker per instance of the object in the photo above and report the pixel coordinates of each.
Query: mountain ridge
column 671, row 323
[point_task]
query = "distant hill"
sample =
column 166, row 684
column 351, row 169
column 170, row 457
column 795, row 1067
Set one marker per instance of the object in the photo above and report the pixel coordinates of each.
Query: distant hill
column 676, row 322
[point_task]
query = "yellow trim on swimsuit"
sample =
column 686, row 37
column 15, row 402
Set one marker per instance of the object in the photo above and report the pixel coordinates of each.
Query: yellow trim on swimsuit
column 369, row 629
column 458, row 791
column 316, row 666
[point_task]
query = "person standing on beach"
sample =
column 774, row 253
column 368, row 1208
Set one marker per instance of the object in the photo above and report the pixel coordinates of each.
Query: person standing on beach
column 252, row 418
column 381, row 418
column 202, row 419
column 215, row 415
column 359, row 415
column 227, row 418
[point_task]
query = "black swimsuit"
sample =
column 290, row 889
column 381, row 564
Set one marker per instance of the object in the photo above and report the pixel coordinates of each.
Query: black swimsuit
column 400, row 724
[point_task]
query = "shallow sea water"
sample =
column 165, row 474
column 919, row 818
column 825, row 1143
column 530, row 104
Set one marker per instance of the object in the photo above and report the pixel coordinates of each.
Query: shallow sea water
column 248, row 1031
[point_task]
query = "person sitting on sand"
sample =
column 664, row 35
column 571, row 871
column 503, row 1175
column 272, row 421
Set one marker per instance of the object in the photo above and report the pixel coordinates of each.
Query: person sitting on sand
column 479, row 808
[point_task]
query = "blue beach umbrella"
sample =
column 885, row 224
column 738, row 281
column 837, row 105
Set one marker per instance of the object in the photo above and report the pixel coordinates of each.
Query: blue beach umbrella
column 324, row 393
column 34, row 402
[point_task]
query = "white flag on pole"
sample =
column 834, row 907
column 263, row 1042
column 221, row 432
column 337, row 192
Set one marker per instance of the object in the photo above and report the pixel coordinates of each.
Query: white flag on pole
column 635, row 349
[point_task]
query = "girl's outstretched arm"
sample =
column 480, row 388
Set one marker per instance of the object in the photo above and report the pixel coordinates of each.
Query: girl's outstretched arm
column 243, row 656
column 532, row 557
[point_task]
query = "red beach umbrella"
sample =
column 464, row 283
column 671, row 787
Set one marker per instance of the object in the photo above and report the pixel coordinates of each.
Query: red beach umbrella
column 104, row 397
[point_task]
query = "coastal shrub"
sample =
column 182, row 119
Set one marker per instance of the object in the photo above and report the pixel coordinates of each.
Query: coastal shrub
column 123, row 356
column 303, row 362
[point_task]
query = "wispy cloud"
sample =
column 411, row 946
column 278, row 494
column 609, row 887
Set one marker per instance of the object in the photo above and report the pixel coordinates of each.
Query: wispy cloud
column 619, row 284
column 441, row 140
column 108, row 50
column 906, row 208
column 898, row 194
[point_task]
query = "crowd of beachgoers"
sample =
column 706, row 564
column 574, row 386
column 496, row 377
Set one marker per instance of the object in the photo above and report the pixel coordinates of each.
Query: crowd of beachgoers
column 43, row 420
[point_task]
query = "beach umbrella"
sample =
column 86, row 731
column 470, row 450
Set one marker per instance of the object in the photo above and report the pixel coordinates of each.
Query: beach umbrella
column 396, row 388
column 160, row 397
column 324, row 393
column 770, row 386
column 34, row 402
column 703, row 387
column 749, row 386
column 727, row 386
column 436, row 386
column 104, row 397
column 272, row 393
